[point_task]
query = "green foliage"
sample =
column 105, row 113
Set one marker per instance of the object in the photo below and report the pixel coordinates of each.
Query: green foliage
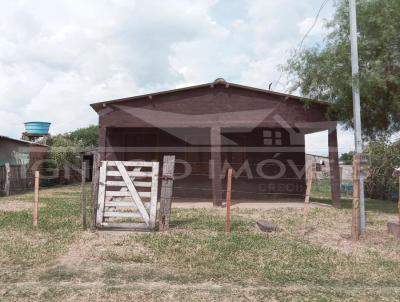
column 384, row 157
column 347, row 158
column 63, row 150
column 324, row 72
column 86, row 137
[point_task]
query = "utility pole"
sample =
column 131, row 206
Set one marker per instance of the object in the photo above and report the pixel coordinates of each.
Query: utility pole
column 356, row 104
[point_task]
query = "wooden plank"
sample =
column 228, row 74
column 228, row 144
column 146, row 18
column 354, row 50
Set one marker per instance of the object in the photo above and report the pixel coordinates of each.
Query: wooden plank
column 36, row 200
column 83, row 195
column 334, row 168
column 126, row 194
column 216, row 165
column 95, row 187
column 125, row 225
column 355, row 221
column 138, row 184
column 153, row 196
column 127, row 199
column 166, row 191
column 8, row 179
column 130, row 174
column 134, row 193
column 398, row 201
column 228, row 201
column 123, row 214
column 310, row 176
column 102, row 192
column 124, row 204
column 131, row 163
column 23, row 176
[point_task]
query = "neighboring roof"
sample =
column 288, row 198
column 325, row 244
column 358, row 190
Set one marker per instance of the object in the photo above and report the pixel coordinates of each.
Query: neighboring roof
column 97, row 106
column 22, row 141
column 316, row 155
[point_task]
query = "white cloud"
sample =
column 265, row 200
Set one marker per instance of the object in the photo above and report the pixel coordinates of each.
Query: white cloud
column 318, row 28
column 56, row 57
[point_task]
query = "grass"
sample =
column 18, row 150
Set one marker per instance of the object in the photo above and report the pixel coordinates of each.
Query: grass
column 25, row 247
column 321, row 193
column 196, row 260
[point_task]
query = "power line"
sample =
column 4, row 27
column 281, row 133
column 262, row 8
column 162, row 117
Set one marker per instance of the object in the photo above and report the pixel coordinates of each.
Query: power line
column 300, row 45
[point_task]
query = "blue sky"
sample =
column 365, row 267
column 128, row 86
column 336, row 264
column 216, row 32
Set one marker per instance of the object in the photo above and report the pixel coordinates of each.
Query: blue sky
column 57, row 57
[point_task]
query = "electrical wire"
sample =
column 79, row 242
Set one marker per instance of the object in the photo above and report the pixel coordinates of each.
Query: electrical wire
column 300, row 45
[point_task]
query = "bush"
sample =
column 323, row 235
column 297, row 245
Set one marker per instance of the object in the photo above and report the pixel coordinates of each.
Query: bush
column 63, row 150
column 86, row 137
column 384, row 157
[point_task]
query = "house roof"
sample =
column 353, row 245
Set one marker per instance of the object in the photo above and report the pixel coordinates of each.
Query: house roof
column 97, row 106
column 21, row 141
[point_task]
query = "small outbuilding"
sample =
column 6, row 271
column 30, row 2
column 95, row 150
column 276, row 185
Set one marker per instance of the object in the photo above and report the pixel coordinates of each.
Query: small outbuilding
column 214, row 126
column 21, row 152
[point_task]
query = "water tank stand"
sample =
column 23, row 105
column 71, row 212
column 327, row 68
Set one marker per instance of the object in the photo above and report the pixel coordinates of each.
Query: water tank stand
column 35, row 137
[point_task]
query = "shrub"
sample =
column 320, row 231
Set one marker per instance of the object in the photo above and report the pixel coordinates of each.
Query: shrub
column 384, row 157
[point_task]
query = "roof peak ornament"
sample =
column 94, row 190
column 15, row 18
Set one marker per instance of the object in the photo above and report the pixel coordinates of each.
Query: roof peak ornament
column 220, row 81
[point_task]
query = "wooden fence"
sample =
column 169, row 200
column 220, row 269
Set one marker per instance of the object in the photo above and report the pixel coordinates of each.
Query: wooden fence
column 19, row 178
column 15, row 179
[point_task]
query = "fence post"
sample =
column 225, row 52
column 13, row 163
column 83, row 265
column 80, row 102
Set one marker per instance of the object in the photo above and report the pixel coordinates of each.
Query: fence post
column 310, row 176
column 355, row 225
column 83, row 181
column 398, row 198
column 228, row 201
column 95, row 187
column 8, row 176
column 36, row 201
column 166, row 191
column 23, row 179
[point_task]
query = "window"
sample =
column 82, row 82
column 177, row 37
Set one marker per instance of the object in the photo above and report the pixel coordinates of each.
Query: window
column 272, row 137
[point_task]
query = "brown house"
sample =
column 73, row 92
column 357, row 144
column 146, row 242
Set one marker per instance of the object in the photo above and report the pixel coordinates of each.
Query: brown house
column 210, row 127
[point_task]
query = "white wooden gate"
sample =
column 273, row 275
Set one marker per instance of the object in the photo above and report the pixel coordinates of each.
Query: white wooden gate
column 127, row 194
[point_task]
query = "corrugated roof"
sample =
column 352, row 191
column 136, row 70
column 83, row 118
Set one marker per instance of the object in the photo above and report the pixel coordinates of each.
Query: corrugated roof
column 98, row 105
column 22, row 141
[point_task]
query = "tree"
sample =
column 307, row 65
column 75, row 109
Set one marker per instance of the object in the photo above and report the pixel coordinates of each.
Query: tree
column 63, row 150
column 324, row 72
column 85, row 137
column 384, row 157
column 347, row 158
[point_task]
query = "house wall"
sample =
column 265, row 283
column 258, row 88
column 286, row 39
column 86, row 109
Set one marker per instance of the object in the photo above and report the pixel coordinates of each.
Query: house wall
column 229, row 107
column 323, row 160
column 13, row 152
column 136, row 122
column 261, row 170
column 37, row 154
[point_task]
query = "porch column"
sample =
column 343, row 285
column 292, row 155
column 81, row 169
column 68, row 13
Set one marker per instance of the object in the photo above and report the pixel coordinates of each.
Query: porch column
column 216, row 165
column 334, row 167
column 102, row 143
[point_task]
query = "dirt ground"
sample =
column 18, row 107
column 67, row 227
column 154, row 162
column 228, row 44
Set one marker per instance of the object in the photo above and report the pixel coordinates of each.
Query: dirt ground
column 246, row 204
column 310, row 258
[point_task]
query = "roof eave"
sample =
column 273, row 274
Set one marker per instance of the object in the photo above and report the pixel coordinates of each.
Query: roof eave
column 98, row 105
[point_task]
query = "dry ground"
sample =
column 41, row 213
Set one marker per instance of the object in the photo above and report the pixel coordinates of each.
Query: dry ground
column 196, row 260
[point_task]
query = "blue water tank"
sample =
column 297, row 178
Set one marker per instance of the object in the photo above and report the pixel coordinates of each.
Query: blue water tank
column 38, row 128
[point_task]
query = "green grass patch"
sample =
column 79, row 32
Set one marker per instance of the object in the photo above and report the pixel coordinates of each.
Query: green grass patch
column 25, row 246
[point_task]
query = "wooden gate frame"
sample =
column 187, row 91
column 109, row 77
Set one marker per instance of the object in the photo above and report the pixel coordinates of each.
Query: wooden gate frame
column 128, row 180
